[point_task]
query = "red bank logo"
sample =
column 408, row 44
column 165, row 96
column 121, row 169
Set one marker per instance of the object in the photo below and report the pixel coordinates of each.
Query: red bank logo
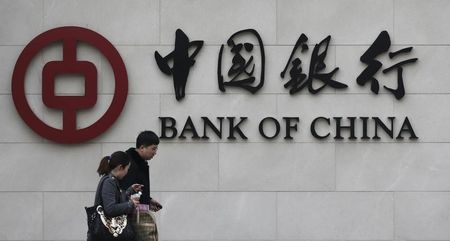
column 70, row 37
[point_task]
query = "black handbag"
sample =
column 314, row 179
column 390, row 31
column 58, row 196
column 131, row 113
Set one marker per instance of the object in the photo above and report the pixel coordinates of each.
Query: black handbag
column 103, row 228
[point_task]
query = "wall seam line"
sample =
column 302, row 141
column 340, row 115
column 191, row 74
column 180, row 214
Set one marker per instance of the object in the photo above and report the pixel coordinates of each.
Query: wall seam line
column 218, row 166
column 43, row 214
column 335, row 167
column 276, row 216
column 394, row 196
column 159, row 15
column 43, row 15
column 276, row 22
column 393, row 20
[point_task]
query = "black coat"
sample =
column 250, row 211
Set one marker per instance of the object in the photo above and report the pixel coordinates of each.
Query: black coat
column 138, row 173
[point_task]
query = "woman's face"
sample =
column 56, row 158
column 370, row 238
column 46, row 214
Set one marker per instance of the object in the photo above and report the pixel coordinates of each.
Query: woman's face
column 122, row 171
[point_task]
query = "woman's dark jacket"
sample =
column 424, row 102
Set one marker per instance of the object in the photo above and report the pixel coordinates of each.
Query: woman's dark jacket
column 112, row 198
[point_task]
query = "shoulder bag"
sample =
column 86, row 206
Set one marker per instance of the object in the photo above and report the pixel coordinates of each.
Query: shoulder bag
column 101, row 227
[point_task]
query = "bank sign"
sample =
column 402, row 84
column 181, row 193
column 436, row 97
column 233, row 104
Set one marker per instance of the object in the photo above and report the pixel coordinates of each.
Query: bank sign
column 244, row 58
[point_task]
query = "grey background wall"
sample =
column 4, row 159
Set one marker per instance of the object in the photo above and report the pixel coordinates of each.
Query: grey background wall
column 238, row 190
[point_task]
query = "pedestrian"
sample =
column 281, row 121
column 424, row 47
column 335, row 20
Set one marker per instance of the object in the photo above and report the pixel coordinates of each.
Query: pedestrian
column 114, row 201
column 144, row 222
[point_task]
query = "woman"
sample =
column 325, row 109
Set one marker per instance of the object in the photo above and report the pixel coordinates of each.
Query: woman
column 115, row 202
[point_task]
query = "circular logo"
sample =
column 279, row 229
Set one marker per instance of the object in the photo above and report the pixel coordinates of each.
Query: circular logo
column 69, row 36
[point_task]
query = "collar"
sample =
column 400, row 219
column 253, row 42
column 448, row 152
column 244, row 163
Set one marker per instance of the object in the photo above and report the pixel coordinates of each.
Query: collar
column 136, row 157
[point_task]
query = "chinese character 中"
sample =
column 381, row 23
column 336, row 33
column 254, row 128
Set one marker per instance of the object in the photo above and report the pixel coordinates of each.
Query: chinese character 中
column 182, row 61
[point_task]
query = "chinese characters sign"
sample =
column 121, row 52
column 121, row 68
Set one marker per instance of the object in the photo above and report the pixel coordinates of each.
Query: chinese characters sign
column 242, row 71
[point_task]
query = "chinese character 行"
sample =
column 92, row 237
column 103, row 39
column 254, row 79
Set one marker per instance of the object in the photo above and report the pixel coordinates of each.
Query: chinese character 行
column 379, row 46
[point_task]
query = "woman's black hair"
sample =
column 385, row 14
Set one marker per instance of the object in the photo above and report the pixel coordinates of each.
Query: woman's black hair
column 108, row 163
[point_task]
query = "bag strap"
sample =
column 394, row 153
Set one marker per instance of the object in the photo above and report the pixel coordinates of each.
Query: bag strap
column 100, row 191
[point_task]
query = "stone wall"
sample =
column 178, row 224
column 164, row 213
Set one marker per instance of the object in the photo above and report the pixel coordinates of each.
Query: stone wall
column 255, row 189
